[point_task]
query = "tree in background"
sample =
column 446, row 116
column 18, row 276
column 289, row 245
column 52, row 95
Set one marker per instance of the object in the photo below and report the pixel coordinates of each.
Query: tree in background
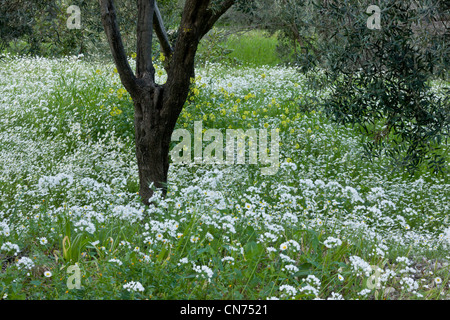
column 381, row 79
column 40, row 27
column 157, row 107
column 17, row 19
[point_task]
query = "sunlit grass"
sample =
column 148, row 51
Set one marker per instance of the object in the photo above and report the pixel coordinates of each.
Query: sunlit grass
column 315, row 229
column 255, row 47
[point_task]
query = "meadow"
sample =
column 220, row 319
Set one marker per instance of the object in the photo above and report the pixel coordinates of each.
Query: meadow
column 328, row 225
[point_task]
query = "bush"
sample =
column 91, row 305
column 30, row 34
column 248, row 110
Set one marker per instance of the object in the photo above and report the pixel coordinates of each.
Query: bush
column 382, row 82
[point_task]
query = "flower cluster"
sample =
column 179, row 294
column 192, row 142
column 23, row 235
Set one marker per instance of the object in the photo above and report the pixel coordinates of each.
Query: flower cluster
column 134, row 286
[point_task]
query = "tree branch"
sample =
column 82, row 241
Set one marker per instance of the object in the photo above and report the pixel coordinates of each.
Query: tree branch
column 144, row 64
column 109, row 20
column 216, row 14
column 182, row 62
column 161, row 33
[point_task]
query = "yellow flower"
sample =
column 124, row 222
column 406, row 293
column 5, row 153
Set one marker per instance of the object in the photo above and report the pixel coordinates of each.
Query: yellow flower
column 115, row 112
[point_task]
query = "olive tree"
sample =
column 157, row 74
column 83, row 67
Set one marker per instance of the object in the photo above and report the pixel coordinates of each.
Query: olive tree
column 158, row 106
column 382, row 78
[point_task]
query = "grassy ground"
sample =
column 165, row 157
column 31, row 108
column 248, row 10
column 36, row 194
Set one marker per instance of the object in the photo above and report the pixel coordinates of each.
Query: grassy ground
column 327, row 225
column 254, row 48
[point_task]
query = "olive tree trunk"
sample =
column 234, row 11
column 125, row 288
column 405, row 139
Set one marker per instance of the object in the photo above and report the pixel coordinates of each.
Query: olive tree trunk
column 157, row 107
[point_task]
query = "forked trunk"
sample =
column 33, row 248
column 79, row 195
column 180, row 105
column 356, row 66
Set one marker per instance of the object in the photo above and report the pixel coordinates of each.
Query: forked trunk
column 157, row 107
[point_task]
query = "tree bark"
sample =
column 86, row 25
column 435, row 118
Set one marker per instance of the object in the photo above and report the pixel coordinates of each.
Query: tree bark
column 157, row 107
column 152, row 140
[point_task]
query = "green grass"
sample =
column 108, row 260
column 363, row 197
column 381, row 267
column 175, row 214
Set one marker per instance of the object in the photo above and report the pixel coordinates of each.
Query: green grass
column 253, row 48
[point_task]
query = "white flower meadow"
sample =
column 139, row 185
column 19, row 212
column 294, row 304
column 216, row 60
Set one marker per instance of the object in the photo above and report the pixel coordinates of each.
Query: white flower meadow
column 78, row 167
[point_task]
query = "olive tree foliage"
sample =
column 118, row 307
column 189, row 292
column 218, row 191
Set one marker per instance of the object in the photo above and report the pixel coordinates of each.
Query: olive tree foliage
column 19, row 20
column 40, row 26
column 382, row 79
column 379, row 79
